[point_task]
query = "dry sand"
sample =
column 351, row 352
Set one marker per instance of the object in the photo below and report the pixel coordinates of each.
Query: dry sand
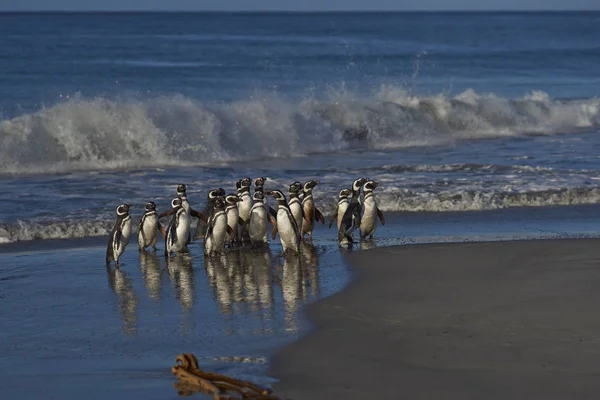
column 504, row 320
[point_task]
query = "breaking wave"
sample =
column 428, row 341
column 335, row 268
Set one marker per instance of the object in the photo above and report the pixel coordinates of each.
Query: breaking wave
column 102, row 133
column 390, row 200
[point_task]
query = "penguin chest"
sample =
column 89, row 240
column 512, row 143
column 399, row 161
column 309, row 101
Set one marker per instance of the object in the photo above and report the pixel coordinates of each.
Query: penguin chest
column 244, row 207
column 342, row 208
column 287, row 233
column 258, row 223
column 369, row 214
column 215, row 241
column 126, row 230
column 149, row 232
column 309, row 215
column 232, row 217
column 296, row 209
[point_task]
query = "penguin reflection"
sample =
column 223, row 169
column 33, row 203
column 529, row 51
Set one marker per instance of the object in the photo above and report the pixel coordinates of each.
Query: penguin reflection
column 150, row 266
column 310, row 271
column 257, row 272
column 181, row 274
column 128, row 302
column 291, row 286
column 220, row 282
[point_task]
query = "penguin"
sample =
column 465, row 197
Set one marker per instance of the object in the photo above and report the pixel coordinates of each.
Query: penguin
column 351, row 218
column 257, row 226
column 148, row 228
column 295, row 203
column 286, row 224
column 178, row 230
column 182, row 194
column 211, row 196
column 259, row 184
column 370, row 211
column 341, row 207
column 233, row 217
column 217, row 230
column 311, row 213
column 119, row 235
column 244, row 205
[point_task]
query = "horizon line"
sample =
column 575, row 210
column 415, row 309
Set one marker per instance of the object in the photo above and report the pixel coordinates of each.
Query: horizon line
column 156, row 11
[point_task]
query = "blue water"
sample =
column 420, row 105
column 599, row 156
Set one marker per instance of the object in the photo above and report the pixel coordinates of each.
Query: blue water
column 477, row 125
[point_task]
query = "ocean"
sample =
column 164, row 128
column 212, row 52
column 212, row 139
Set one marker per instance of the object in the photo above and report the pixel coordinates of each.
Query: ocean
column 478, row 126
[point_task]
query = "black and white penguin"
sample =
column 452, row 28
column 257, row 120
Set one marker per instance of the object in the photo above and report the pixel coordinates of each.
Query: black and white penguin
column 352, row 216
column 311, row 213
column 286, row 224
column 258, row 225
column 233, row 217
column 119, row 235
column 182, row 194
column 259, row 184
column 244, row 205
column 217, row 230
column 178, row 230
column 211, row 197
column 342, row 206
column 370, row 211
column 148, row 228
column 295, row 203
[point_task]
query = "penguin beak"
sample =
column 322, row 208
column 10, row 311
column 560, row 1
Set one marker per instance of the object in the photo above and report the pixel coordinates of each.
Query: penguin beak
column 269, row 193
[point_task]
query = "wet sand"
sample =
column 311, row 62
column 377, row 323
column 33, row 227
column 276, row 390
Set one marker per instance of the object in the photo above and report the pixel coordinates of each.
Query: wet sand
column 502, row 320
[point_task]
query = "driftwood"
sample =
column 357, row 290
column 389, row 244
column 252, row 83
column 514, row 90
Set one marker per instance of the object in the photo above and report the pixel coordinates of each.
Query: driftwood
column 221, row 387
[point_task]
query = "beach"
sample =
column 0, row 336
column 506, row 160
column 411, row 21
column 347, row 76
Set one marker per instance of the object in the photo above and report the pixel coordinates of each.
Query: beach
column 502, row 320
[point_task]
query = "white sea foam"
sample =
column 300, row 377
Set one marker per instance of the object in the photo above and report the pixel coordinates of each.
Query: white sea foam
column 102, row 133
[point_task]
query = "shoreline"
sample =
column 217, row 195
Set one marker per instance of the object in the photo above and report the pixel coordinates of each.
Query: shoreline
column 462, row 320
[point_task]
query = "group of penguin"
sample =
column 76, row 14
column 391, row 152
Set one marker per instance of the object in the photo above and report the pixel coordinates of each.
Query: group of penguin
column 237, row 219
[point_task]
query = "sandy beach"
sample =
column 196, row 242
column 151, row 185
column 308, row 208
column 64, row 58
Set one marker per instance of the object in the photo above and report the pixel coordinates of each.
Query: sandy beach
column 503, row 320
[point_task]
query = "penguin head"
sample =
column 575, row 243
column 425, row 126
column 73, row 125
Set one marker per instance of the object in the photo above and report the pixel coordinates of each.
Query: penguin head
column 215, row 193
column 219, row 203
column 150, row 206
column 245, row 182
column 277, row 195
column 123, row 209
column 259, row 196
column 358, row 184
column 310, row 185
column 231, row 199
column 260, row 181
column 238, row 184
column 181, row 189
column 344, row 193
column 370, row 185
column 176, row 202
column 295, row 187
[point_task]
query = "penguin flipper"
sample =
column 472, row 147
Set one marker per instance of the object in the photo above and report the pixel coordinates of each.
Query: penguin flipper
column 241, row 221
column 333, row 218
column 199, row 215
column 380, row 215
column 319, row 216
column 162, row 230
column 273, row 212
column 230, row 231
column 168, row 212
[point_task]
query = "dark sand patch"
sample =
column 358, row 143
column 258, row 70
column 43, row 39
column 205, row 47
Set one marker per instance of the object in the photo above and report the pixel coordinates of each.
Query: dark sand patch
column 504, row 320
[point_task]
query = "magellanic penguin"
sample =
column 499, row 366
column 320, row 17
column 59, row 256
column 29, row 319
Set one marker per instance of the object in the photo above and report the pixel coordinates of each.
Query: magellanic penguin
column 233, row 217
column 370, row 211
column 258, row 225
column 311, row 213
column 182, row 194
column 341, row 207
column 211, row 197
column 244, row 205
column 119, row 236
column 148, row 228
column 259, row 184
column 178, row 230
column 351, row 218
column 217, row 230
column 286, row 224
column 295, row 203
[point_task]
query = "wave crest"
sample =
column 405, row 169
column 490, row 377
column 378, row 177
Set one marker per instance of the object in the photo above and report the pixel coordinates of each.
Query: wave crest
column 101, row 133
